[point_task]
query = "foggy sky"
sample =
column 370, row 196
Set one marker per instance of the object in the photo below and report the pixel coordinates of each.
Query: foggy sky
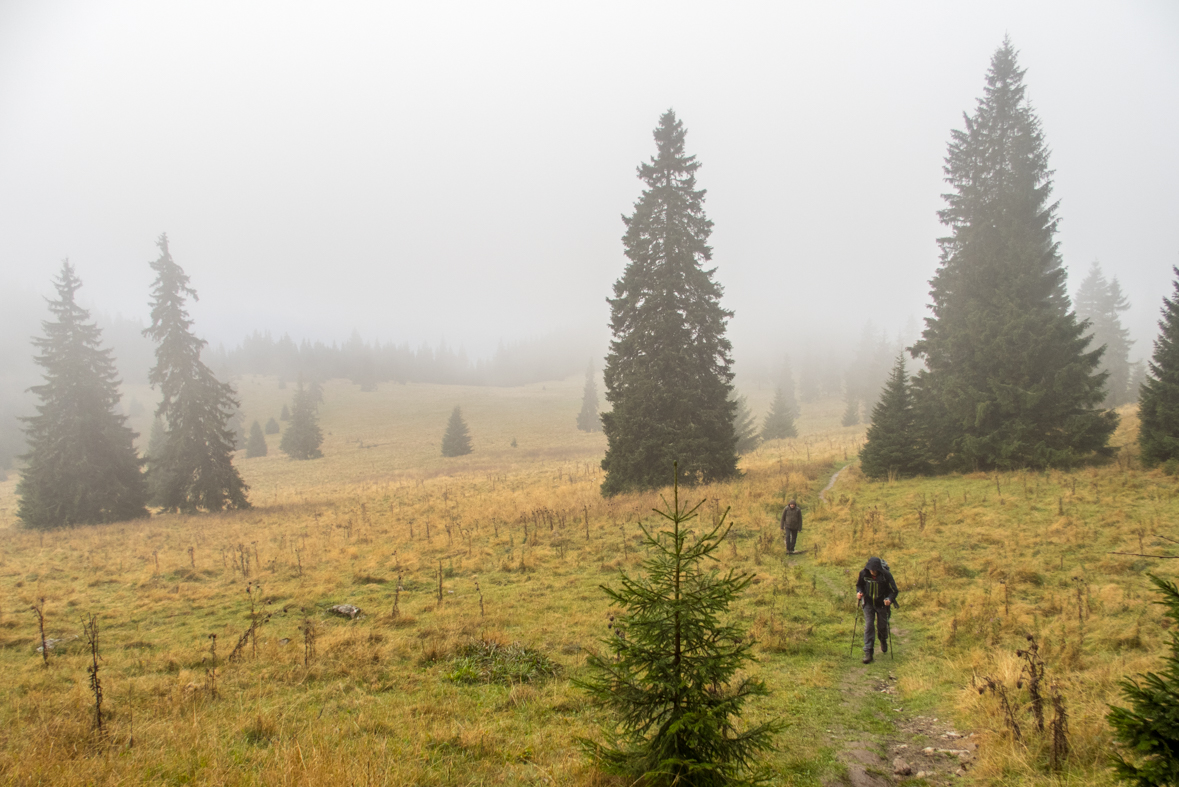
column 456, row 171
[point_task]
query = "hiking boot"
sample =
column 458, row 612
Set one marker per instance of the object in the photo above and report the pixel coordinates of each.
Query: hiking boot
column 868, row 657
column 884, row 646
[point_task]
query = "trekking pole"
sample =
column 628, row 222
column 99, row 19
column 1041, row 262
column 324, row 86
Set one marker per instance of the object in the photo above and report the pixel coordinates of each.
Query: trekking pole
column 892, row 651
column 855, row 622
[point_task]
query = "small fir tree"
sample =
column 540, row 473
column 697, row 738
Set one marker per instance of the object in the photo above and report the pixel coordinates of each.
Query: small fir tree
column 779, row 423
column 893, row 446
column 195, row 471
column 1158, row 402
column 457, row 440
column 669, row 676
column 272, row 426
column 315, row 392
column 669, row 370
column 285, row 415
column 303, row 437
column 81, row 466
column 1149, row 729
column 851, row 413
column 155, row 442
column 256, row 445
column 745, row 426
column 870, row 366
column 587, row 419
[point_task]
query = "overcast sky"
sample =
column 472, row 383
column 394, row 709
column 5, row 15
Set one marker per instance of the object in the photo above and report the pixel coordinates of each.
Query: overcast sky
column 456, row 171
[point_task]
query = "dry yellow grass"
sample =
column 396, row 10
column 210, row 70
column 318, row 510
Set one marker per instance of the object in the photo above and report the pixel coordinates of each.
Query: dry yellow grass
column 518, row 536
column 522, row 540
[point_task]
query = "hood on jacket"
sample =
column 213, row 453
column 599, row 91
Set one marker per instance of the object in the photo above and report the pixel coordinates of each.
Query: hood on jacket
column 874, row 564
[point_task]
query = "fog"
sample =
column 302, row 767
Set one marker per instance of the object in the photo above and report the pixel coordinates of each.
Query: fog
column 429, row 172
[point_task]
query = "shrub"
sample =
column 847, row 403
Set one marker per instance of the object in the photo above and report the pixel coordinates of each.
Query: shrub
column 487, row 661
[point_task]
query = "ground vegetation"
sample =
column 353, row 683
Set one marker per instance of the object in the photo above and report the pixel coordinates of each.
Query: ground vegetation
column 983, row 560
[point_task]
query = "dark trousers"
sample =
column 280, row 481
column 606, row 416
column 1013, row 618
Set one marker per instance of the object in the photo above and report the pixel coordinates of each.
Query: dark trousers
column 791, row 538
column 877, row 619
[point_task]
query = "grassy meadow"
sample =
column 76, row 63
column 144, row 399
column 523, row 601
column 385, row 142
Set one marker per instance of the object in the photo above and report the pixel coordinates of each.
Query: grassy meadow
column 478, row 584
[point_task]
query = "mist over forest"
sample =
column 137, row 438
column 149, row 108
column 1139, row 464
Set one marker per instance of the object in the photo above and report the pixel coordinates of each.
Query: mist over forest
column 827, row 365
column 824, row 368
column 396, row 195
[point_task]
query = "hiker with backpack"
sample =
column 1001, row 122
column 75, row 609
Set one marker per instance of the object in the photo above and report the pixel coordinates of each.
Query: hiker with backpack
column 877, row 591
column 791, row 524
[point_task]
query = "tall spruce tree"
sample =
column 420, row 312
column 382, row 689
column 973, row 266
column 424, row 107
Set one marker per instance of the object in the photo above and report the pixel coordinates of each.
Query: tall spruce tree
column 195, row 470
column 457, row 440
column 81, row 466
column 671, row 675
column 1098, row 301
column 302, row 437
column 893, row 448
column 588, row 419
column 1158, row 402
column 668, row 372
column 1008, row 379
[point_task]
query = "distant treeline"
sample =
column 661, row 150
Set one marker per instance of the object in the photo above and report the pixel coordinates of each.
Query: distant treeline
column 552, row 357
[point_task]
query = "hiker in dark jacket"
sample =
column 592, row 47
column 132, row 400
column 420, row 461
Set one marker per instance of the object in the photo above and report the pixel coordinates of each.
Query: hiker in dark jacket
column 878, row 591
column 791, row 523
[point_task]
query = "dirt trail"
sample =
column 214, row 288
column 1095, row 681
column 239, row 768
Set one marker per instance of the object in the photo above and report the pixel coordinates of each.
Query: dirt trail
column 923, row 747
column 831, row 483
column 917, row 747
